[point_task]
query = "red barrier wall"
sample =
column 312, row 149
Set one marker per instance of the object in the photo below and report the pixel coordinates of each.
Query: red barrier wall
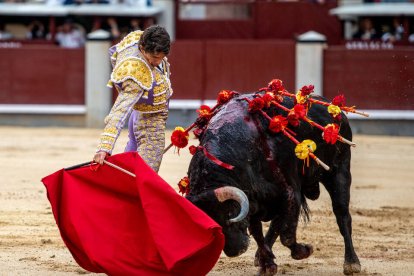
column 200, row 69
column 214, row 29
column 371, row 79
column 42, row 74
column 268, row 20
column 187, row 69
column 288, row 20
column 248, row 65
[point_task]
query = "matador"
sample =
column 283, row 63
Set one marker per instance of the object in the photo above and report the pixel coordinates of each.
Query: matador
column 141, row 75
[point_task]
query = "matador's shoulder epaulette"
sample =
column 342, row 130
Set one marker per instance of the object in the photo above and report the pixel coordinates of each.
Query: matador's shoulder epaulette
column 135, row 69
column 131, row 39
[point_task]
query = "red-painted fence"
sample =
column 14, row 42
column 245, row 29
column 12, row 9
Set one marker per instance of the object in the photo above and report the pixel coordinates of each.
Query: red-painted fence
column 52, row 75
column 200, row 69
column 42, row 74
column 266, row 20
column 371, row 79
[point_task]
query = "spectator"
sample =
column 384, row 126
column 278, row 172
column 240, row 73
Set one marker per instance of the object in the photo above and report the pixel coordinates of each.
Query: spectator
column 113, row 28
column 134, row 24
column 398, row 29
column 387, row 35
column 411, row 38
column 36, row 30
column 366, row 30
column 97, row 1
column 149, row 22
column 72, row 2
column 68, row 36
column 3, row 33
column 394, row 33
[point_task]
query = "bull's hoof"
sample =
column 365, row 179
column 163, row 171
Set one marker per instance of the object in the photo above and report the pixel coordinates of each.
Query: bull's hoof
column 301, row 251
column 351, row 268
column 268, row 270
column 264, row 257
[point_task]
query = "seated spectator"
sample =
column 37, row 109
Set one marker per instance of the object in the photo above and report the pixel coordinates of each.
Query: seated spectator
column 113, row 28
column 4, row 35
column 411, row 38
column 398, row 29
column 394, row 33
column 36, row 30
column 134, row 25
column 387, row 35
column 68, row 36
column 72, row 2
column 97, row 2
column 366, row 30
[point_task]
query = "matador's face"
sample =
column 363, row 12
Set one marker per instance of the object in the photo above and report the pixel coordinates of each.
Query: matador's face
column 153, row 58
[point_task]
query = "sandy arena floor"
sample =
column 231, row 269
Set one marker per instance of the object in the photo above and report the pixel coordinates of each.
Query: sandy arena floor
column 382, row 205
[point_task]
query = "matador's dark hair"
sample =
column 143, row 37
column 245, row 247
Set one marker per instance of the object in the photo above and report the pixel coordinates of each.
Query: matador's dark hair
column 155, row 39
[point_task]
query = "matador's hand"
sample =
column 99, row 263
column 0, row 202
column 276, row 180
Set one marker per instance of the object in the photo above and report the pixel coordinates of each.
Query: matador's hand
column 100, row 157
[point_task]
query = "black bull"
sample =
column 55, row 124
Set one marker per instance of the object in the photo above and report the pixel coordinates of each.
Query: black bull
column 275, row 181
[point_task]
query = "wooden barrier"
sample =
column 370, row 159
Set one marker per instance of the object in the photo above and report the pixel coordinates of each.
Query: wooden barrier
column 265, row 20
column 42, row 74
column 200, row 69
column 371, row 79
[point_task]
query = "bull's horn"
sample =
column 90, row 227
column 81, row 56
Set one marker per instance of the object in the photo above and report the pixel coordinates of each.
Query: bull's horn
column 228, row 192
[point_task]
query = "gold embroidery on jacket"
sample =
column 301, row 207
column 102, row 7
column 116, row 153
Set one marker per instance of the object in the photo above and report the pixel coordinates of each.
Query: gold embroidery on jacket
column 131, row 39
column 118, row 115
column 160, row 94
column 146, row 108
column 135, row 69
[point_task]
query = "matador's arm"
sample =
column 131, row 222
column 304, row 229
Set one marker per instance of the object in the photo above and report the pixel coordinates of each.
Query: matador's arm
column 115, row 121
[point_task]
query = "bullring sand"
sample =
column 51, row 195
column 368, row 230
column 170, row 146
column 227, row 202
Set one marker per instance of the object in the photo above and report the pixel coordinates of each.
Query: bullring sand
column 382, row 206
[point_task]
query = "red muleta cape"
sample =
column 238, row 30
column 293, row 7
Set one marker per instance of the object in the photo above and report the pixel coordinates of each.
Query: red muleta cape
column 116, row 224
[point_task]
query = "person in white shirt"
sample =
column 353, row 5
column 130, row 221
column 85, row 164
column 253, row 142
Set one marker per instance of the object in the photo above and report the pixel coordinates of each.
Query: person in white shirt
column 69, row 36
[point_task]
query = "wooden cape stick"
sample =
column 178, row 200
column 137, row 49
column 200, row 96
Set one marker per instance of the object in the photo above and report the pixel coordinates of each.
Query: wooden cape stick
column 106, row 162
column 119, row 168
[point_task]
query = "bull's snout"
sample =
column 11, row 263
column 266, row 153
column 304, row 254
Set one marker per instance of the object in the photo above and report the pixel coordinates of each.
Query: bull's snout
column 236, row 244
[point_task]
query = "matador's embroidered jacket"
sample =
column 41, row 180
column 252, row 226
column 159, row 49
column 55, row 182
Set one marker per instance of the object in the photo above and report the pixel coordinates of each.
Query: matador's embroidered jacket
column 140, row 86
